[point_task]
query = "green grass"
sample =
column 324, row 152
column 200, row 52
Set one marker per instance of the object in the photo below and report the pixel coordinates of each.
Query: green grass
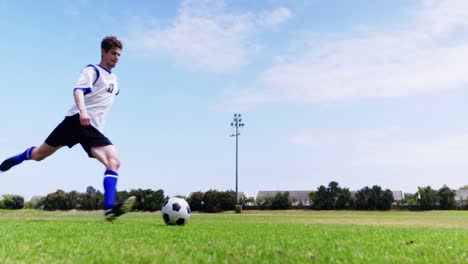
column 30, row 236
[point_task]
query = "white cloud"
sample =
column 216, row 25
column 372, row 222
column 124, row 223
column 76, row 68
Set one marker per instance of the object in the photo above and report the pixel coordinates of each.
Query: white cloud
column 276, row 17
column 73, row 8
column 428, row 55
column 388, row 149
column 444, row 152
column 443, row 17
column 205, row 35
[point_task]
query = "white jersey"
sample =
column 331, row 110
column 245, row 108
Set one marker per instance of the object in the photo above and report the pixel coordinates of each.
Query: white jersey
column 100, row 87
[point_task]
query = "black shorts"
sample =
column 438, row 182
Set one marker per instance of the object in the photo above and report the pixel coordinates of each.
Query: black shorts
column 70, row 132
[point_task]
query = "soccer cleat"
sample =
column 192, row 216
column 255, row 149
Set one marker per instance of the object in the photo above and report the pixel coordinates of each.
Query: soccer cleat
column 7, row 164
column 119, row 209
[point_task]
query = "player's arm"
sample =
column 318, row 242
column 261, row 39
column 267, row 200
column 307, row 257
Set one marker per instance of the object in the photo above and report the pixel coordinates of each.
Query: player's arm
column 80, row 103
column 88, row 77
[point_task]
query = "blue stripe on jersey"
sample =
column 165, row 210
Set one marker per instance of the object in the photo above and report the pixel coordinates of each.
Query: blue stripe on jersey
column 105, row 69
column 85, row 90
column 96, row 70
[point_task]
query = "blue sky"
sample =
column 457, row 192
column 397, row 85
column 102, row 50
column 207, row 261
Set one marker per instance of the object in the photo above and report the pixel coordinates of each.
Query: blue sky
column 363, row 93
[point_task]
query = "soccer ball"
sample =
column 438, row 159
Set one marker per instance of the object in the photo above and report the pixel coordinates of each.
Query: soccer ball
column 176, row 211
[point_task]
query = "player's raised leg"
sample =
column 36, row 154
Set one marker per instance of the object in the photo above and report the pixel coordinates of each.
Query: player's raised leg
column 31, row 153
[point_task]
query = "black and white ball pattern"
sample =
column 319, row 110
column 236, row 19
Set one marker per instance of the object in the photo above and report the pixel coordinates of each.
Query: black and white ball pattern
column 176, row 211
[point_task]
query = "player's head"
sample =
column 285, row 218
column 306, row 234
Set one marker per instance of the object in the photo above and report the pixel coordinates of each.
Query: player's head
column 111, row 47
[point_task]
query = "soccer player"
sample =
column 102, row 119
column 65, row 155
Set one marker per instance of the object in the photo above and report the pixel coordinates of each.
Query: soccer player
column 94, row 94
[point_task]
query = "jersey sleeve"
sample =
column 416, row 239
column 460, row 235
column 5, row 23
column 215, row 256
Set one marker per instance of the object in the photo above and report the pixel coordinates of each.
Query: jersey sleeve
column 87, row 78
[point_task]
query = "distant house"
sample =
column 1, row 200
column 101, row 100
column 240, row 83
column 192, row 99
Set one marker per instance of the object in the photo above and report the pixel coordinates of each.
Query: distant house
column 302, row 197
column 398, row 196
column 461, row 197
column 36, row 198
column 297, row 197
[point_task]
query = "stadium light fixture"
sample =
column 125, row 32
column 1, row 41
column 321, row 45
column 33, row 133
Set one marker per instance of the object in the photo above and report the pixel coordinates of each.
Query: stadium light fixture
column 237, row 124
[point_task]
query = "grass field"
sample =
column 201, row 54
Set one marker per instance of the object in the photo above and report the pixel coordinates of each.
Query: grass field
column 30, row 236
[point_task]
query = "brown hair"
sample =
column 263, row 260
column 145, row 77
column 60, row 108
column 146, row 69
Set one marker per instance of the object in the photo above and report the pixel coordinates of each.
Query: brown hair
column 110, row 42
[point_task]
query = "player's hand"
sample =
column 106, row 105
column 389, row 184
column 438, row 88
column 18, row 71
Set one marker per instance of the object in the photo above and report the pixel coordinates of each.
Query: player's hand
column 84, row 119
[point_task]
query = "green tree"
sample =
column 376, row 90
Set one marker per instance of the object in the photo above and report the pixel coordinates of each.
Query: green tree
column 447, row 198
column 148, row 200
column 331, row 197
column 410, row 199
column 374, row 198
column 312, row 196
column 39, row 203
column 211, row 201
column 11, row 201
column 246, row 200
column 58, row 200
column 74, row 198
column 92, row 199
column 344, row 200
column 281, row 201
column 332, row 193
column 265, row 202
column 385, row 200
column 196, row 201
column 320, row 198
column 362, row 198
column 227, row 200
column 428, row 199
column 374, row 195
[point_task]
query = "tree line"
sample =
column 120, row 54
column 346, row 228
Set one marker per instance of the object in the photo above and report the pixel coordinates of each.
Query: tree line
column 427, row 198
column 335, row 197
column 331, row 197
column 91, row 199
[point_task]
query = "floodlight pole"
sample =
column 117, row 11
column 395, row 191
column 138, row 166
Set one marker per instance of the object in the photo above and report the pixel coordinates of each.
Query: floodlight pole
column 237, row 123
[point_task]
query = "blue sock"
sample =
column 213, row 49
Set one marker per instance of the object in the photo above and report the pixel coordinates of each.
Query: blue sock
column 110, row 190
column 26, row 155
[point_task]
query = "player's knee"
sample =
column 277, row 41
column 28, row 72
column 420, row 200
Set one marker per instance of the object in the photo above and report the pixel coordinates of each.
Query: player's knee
column 113, row 164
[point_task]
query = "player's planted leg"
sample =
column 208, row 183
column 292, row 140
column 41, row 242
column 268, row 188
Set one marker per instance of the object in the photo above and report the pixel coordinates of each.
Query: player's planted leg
column 110, row 190
column 15, row 160
column 113, row 209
